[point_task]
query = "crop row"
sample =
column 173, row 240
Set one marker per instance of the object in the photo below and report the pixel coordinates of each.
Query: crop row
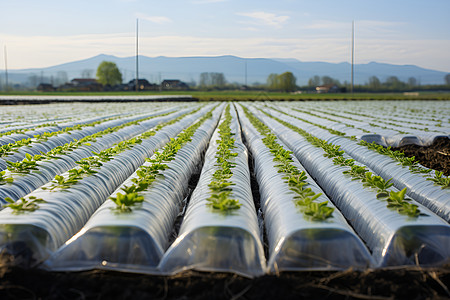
column 120, row 198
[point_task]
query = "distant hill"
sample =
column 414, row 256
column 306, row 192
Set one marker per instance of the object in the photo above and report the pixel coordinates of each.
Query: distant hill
column 188, row 69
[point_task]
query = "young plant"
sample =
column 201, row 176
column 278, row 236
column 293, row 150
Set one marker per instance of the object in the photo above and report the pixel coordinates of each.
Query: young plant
column 147, row 174
column 25, row 166
column 398, row 201
column 222, row 202
column 125, row 201
column 5, row 179
column 14, row 147
column 395, row 199
column 304, row 197
column 318, row 211
column 441, row 180
column 24, row 205
column 379, row 183
column 400, row 157
column 220, row 187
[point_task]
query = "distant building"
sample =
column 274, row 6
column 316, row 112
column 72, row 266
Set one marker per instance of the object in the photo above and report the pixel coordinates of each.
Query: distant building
column 45, row 87
column 82, row 85
column 327, row 88
column 143, row 85
column 83, row 81
column 173, row 84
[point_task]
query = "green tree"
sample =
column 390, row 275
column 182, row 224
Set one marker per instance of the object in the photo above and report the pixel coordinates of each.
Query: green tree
column 394, row 83
column 412, row 82
column 327, row 80
column 447, row 79
column 272, row 81
column 108, row 73
column 314, row 81
column 374, row 83
column 212, row 80
column 217, row 80
column 287, row 82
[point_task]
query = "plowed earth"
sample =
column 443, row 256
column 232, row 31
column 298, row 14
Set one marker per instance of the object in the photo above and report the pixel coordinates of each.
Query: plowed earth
column 435, row 156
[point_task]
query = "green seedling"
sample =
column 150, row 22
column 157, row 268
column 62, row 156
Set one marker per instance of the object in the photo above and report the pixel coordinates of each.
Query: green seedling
column 24, row 205
column 222, row 202
column 88, row 166
column 318, row 211
column 25, row 166
column 378, row 183
column 395, row 200
column 398, row 156
column 220, row 187
column 342, row 161
column 399, row 202
column 441, row 180
column 297, row 180
column 5, row 179
column 357, row 172
column 124, row 201
column 147, row 174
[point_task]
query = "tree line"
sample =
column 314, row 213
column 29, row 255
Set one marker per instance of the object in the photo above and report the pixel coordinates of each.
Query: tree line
column 108, row 74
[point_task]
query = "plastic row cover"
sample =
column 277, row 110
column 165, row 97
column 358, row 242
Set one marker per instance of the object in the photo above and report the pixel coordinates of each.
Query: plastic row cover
column 136, row 241
column 295, row 241
column 352, row 127
column 211, row 240
column 380, row 113
column 24, row 184
column 63, row 138
column 65, row 115
column 381, row 136
column 394, row 239
column 357, row 130
column 66, row 211
column 423, row 191
column 38, row 131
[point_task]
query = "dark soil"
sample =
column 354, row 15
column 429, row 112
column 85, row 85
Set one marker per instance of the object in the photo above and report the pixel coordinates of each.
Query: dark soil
column 412, row 283
column 436, row 156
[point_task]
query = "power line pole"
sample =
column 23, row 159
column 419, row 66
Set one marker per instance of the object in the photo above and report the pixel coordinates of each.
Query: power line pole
column 137, row 55
column 245, row 73
column 6, row 71
column 353, row 53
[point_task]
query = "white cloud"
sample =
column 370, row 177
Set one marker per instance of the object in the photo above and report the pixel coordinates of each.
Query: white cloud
column 254, row 29
column 154, row 19
column 327, row 25
column 266, row 18
column 379, row 28
column 207, row 1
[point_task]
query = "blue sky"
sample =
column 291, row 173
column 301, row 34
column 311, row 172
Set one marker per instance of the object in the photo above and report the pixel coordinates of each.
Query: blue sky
column 49, row 32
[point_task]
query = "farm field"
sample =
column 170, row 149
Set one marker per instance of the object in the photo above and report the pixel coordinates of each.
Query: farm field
column 258, row 199
column 237, row 95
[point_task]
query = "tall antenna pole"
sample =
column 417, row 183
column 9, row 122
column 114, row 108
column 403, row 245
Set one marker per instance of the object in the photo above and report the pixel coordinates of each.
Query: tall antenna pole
column 6, row 70
column 353, row 53
column 137, row 55
column 246, row 73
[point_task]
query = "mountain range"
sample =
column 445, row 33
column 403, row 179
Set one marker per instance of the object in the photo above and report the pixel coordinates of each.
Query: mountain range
column 235, row 69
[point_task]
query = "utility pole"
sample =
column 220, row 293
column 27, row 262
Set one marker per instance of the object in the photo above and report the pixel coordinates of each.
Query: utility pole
column 245, row 73
column 137, row 55
column 6, row 71
column 353, row 53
